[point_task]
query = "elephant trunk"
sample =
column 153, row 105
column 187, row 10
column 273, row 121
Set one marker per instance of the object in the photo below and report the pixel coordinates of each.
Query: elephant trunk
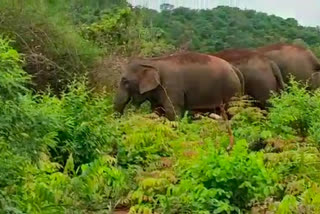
column 137, row 100
column 121, row 100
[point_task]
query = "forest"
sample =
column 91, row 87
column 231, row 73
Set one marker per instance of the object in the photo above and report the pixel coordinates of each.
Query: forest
column 64, row 150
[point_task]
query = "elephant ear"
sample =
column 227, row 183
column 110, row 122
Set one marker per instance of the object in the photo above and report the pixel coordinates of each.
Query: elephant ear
column 150, row 78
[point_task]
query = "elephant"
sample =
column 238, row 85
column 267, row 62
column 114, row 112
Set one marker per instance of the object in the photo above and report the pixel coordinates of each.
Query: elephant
column 261, row 75
column 294, row 60
column 179, row 82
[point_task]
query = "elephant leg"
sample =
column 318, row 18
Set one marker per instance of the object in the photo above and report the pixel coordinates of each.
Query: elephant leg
column 262, row 105
column 160, row 111
column 156, row 106
column 172, row 106
column 171, row 99
column 172, row 112
column 315, row 80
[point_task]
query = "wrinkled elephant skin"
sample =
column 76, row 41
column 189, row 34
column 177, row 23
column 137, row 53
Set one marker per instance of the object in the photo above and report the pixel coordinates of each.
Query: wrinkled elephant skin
column 293, row 60
column 262, row 76
column 179, row 82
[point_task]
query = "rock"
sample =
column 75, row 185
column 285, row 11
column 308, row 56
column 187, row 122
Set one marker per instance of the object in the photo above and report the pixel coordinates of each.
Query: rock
column 215, row 116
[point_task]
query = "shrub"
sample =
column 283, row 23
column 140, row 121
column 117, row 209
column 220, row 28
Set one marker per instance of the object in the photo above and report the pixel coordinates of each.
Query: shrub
column 11, row 166
column 87, row 129
column 144, row 142
column 121, row 31
column 54, row 52
column 291, row 111
column 249, row 122
column 44, row 190
column 70, row 154
column 71, row 124
column 314, row 117
column 13, row 79
column 102, row 185
column 46, row 139
column 219, row 182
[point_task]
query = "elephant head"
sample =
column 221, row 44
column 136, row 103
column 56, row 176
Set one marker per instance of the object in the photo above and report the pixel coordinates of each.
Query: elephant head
column 138, row 79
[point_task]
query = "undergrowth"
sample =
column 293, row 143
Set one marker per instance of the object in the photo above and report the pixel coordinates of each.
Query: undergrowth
column 71, row 154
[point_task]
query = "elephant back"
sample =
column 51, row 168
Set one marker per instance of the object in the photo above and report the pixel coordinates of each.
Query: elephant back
column 183, row 58
column 236, row 55
column 292, row 60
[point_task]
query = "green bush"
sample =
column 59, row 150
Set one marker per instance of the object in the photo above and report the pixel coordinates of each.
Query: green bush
column 249, row 122
column 44, row 190
column 67, row 125
column 54, row 52
column 70, row 154
column 102, row 185
column 216, row 182
column 86, row 127
column 297, row 104
column 144, row 143
column 11, row 166
column 314, row 117
column 88, row 11
column 46, row 142
column 296, row 112
column 121, row 30
column 13, row 79
column 221, row 27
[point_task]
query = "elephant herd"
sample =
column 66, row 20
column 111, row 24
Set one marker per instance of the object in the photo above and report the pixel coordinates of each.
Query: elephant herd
column 202, row 82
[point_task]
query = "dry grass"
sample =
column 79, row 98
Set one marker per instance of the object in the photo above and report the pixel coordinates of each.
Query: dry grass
column 106, row 73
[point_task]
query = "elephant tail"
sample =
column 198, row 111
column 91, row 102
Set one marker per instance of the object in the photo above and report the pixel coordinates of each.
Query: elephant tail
column 241, row 78
column 277, row 74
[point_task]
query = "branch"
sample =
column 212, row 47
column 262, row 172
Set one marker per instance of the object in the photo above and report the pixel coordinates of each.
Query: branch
column 228, row 125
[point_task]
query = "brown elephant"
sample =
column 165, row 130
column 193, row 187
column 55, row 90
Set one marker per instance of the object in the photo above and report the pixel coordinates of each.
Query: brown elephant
column 261, row 75
column 184, row 81
column 294, row 60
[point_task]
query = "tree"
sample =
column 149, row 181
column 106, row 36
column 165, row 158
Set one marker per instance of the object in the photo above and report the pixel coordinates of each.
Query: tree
column 226, row 27
column 166, row 6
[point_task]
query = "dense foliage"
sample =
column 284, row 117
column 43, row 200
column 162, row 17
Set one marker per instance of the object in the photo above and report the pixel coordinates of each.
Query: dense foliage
column 61, row 41
column 54, row 52
column 68, row 152
column 71, row 153
column 225, row 27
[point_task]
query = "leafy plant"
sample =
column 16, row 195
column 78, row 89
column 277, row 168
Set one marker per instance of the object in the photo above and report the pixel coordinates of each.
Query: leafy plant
column 13, row 79
column 295, row 101
column 69, row 153
column 121, row 30
column 53, row 50
column 249, row 122
column 101, row 185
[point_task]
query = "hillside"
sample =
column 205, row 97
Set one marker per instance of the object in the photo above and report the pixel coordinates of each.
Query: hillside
column 225, row 27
